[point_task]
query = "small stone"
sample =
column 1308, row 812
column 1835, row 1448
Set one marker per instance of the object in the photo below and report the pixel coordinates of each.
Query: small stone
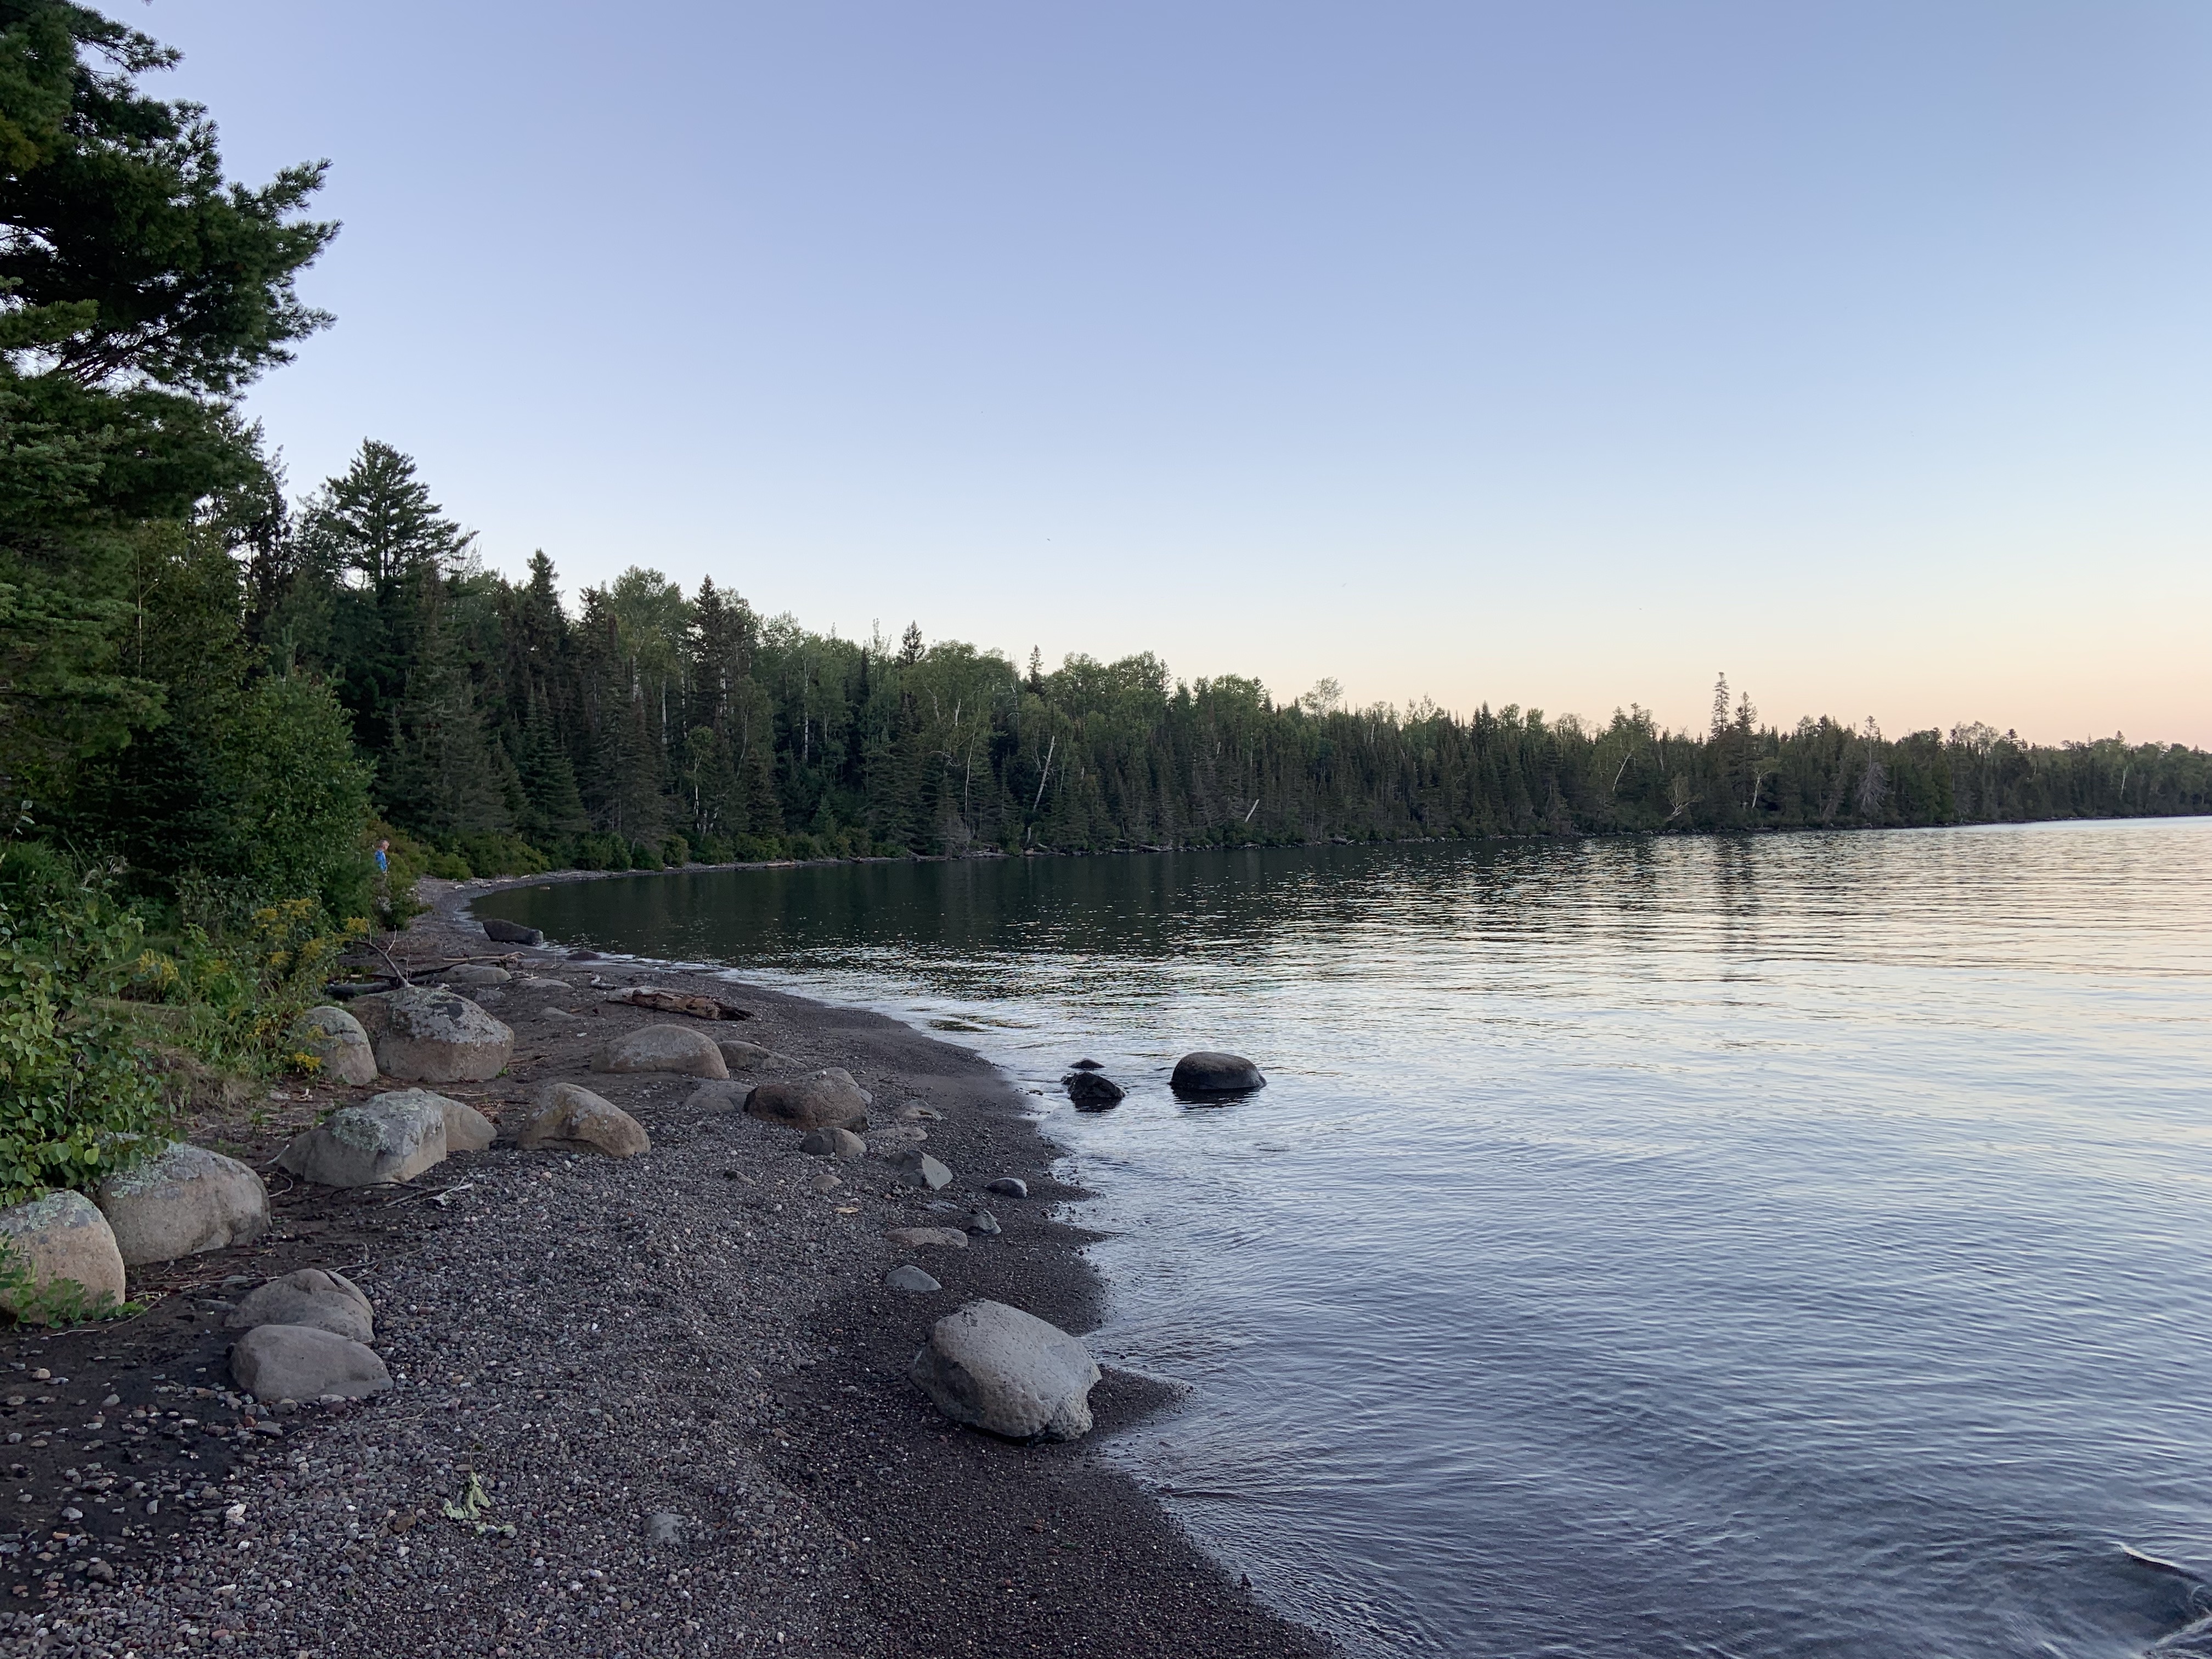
column 741, row 1056
column 540, row 983
column 921, row 1114
column 825, row 1182
column 664, row 1528
column 1011, row 1185
column 828, row 1142
column 920, row 1169
column 928, row 1238
column 907, row 1277
column 984, row 1225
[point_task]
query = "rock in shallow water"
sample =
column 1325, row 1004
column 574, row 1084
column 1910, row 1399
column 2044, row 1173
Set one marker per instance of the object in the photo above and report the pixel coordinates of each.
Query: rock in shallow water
column 1093, row 1091
column 996, row 1368
column 1211, row 1071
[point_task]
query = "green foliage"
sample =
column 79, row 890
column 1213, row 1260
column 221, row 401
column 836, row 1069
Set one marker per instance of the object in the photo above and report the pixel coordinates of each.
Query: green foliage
column 58, row 1303
column 76, row 1092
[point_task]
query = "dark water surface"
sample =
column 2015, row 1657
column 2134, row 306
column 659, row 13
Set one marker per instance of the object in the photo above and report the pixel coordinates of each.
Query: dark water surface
column 1796, row 1246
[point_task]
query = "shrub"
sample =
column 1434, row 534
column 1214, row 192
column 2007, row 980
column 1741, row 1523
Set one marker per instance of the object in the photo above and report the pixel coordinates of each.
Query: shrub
column 675, row 852
column 77, row 1094
column 642, row 857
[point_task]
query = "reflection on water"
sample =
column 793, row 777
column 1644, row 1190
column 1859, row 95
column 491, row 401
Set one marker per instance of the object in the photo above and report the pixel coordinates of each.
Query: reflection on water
column 1793, row 1246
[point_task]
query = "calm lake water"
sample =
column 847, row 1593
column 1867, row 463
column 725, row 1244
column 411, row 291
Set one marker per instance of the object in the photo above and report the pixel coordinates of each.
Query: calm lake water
column 1791, row 1246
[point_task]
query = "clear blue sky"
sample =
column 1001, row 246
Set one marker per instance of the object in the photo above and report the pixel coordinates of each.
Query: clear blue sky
column 1558, row 354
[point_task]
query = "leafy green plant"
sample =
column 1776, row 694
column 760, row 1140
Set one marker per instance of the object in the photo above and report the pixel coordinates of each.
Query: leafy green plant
column 58, row 1301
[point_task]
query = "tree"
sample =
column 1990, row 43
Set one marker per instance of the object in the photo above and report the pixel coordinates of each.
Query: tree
column 377, row 520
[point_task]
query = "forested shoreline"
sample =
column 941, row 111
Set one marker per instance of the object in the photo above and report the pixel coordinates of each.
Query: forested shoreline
column 216, row 698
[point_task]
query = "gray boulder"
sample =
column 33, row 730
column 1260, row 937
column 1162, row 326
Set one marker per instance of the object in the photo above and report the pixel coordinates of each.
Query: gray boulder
column 833, row 1142
column 741, row 1056
column 311, row 1296
column 995, row 1368
column 910, row 1278
column 301, row 1362
column 827, row 1098
column 680, row 1049
column 540, row 983
column 467, row 1130
column 182, row 1201
column 69, row 1251
column 570, row 1118
column 1210, row 1072
column 422, row 1034
column 390, row 1137
column 471, row 976
column 510, row 932
column 1011, row 1185
column 920, row 1169
column 710, row 1097
column 984, row 1225
column 336, row 1039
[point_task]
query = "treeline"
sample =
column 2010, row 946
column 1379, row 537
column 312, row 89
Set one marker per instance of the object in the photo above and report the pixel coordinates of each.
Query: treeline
column 646, row 726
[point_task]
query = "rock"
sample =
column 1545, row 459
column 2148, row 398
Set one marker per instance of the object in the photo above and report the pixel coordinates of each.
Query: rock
column 897, row 1135
column 424, row 1035
column 336, row 1039
column 829, row 1096
column 584, row 956
column 998, row 1368
column 984, row 1225
column 558, row 1014
column 679, row 1002
column 540, row 983
column 920, row 1169
column 474, row 974
column 467, row 1130
column 927, row 1239
column 510, row 932
column 832, row 1142
column 1209, row 1072
column 393, row 1136
column 65, row 1245
column 1092, row 1091
column 665, row 1529
column 717, row 1097
column 825, row 1182
column 182, row 1201
column 740, row 1056
column 310, row 1296
column 1012, row 1186
column 301, row 1362
column 920, row 1115
column 907, row 1277
column 572, row 1119
column 1086, row 1065
column 662, row 1049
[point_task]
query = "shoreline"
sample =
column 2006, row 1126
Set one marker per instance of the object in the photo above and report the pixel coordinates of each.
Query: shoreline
column 696, row 1340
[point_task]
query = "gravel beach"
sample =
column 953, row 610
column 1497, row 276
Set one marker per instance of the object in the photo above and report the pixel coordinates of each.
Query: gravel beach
column 676, row 1383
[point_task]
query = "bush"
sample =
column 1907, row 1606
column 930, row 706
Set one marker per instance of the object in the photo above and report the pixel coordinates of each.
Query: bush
column 675, row 852
column 447, row 866
column 503, row 855
column 598, row 852
column 642, row 857
column 77, row 1094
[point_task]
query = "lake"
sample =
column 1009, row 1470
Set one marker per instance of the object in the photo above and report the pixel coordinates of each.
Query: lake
column 1794, row 1245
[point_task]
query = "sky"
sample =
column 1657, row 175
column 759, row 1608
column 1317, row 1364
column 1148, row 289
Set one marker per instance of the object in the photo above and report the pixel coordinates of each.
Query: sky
column 1562, row 355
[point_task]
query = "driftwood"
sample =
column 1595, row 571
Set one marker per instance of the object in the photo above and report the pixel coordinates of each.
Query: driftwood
column 678, row 1002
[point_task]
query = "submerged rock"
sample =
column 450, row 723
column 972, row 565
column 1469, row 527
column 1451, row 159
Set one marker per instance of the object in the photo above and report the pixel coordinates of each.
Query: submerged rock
column 1093, row 1091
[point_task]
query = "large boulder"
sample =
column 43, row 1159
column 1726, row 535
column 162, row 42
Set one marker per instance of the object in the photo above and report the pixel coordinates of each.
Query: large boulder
column 998, row 1368
column 740, row 1055
column 826, row 1098
column 301, row 1362
column 337, row 1040
column 467, row 1130
column 391, row 1137
column 510, row 932
column 1210, row 1072
column 182, row 1201
column 425, row 1035
column 67, row 1250
column 310, row 1296
column 572, row 1119
column 679, row 1049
